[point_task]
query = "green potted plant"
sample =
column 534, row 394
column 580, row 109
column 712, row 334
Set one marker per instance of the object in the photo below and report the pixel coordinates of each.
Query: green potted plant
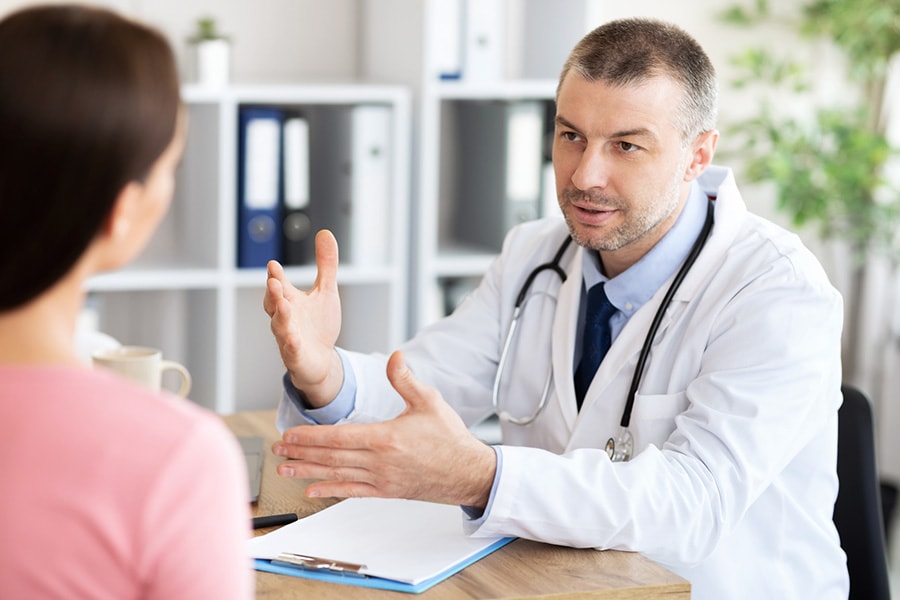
column 830, row 167
column 211, row 54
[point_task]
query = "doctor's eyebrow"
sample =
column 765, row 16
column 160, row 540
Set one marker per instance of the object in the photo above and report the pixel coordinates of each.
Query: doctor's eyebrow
column 641, row 132
column 562, row 121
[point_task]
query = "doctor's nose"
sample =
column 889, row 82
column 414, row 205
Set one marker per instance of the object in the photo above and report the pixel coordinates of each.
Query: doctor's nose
column 592, row 171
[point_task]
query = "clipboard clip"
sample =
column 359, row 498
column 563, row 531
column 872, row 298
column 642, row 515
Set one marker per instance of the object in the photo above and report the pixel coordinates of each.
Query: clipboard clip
column 313, row 563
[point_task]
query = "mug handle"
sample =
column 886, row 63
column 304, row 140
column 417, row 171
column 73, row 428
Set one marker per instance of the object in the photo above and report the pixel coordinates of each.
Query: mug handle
column 170, row 365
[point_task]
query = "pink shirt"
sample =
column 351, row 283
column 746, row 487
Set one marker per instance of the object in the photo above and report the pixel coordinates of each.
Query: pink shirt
column 112, row 492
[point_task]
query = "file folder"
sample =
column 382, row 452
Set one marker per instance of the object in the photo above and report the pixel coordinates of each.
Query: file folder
column 500, row 159
column 484, row 42
column 447, row 45
column 391, row 544
column 259, row 166
column 351, row 179
column 371, row 184
column 297, row 230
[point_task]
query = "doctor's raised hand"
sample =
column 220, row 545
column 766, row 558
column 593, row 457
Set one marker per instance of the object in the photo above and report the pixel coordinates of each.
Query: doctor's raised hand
column 306, row 324
column 425, row 453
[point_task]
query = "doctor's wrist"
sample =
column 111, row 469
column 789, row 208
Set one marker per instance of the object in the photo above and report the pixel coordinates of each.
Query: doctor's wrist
column 482, row 471
column 318, row 395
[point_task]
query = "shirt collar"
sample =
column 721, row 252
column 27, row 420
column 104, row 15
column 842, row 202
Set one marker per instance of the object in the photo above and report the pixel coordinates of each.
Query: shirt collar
column 632, row 288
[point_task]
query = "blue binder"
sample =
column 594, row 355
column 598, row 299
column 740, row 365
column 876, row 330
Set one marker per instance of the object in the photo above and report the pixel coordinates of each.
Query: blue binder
column 259, row 185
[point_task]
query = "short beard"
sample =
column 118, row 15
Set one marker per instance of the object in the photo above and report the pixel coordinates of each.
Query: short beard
column 629, row 231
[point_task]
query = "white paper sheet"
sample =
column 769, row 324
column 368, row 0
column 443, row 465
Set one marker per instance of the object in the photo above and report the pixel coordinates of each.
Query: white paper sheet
column 401, row 540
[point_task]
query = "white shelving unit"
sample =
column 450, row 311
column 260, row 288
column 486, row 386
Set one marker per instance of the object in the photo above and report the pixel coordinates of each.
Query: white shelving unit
column 186, row 295
column 535, row 38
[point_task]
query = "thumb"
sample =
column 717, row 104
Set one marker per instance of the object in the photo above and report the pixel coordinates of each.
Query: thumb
column 413, row 391
column 326, row 261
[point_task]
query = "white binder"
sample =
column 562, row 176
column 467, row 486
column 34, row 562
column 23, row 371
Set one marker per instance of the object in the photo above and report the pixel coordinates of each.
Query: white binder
column 500, row 158
column 351, row 166
column 484, row 46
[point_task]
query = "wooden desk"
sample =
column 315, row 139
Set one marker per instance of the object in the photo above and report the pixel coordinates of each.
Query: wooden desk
column 522, row 569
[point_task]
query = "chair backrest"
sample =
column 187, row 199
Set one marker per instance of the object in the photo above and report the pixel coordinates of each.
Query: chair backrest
column 857, row 511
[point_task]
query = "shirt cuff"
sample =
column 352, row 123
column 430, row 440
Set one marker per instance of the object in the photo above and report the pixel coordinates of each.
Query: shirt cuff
column 339, row 408
column 477, row 516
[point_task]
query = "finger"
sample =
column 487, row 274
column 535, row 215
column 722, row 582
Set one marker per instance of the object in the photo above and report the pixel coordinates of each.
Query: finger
column 323, row 455
column 274, row 294
column 274, row 270
column 413, row 391
column 326, row 261
column 301, row 469
column 278, row 287
column 332, row 489
column 333, row 437
column 279, row 310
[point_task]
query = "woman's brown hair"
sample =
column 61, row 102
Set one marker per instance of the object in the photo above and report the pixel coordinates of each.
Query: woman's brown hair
column 88, row 101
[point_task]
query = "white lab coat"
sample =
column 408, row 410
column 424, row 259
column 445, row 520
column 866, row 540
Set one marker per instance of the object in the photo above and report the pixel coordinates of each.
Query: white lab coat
column 735, row 424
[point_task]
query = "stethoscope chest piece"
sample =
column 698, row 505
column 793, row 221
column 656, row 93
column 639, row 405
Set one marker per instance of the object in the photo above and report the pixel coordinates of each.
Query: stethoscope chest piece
column 620, row 448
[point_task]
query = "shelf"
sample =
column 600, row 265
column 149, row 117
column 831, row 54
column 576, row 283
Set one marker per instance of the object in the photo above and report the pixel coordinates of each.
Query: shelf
column 155, row 279
column 538, row 89
column 462, row 262
column 513, row 53
column 306, row 275
column 185, row 294
column 291, row 93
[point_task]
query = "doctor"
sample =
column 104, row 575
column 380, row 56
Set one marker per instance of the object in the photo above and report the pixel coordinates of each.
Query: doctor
column 723, row 466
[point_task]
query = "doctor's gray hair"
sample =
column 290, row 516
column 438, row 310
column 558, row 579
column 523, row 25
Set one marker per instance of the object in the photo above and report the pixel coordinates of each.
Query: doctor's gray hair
column 631, row 51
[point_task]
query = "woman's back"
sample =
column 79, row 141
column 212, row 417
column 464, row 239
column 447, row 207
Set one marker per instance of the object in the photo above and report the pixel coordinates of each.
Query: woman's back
column 114, row 492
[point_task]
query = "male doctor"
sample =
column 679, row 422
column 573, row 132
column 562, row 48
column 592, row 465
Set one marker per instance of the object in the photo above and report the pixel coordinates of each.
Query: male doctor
column 725, row 472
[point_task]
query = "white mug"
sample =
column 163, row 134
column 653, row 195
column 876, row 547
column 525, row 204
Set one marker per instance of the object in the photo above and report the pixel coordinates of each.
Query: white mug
column 142, row 365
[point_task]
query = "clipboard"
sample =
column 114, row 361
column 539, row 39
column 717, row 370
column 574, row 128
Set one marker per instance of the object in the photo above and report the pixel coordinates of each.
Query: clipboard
column 390, row 544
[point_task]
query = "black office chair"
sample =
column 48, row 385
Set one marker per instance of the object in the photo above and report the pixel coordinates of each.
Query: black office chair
column 857, row 511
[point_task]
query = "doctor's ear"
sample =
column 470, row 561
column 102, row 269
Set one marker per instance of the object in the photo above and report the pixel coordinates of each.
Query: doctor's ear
column 702, row 151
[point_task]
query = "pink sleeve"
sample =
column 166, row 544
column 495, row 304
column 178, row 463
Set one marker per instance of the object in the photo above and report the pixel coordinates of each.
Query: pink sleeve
column 197, row 519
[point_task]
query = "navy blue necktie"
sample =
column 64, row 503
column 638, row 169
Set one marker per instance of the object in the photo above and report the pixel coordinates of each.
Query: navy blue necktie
column 596, row 339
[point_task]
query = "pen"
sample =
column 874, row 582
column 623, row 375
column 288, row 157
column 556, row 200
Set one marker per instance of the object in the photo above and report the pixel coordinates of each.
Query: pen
column 273, row 520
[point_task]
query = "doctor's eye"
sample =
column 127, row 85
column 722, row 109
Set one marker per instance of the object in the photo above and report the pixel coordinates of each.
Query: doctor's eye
column 628, row 147
column 570, row 136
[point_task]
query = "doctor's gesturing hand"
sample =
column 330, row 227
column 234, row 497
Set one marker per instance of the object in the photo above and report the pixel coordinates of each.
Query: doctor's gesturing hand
column 425, row 453
column 306, row 324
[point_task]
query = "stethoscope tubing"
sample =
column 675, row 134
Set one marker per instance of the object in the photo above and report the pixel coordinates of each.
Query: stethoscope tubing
column 555, row 266
column 660, row 313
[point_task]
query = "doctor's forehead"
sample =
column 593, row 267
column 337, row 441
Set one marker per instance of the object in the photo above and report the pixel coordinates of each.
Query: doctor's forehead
column 601, row 108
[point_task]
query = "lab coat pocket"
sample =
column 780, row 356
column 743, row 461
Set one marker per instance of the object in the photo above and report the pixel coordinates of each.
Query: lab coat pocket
column 653, row 418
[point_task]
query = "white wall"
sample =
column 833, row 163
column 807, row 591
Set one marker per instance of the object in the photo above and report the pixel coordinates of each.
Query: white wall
column 273, row 40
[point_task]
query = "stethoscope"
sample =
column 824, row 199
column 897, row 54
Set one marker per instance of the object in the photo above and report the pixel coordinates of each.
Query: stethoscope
column 621, row 447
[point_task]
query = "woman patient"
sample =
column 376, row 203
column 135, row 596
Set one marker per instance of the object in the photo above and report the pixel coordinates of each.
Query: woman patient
column 108, row 490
